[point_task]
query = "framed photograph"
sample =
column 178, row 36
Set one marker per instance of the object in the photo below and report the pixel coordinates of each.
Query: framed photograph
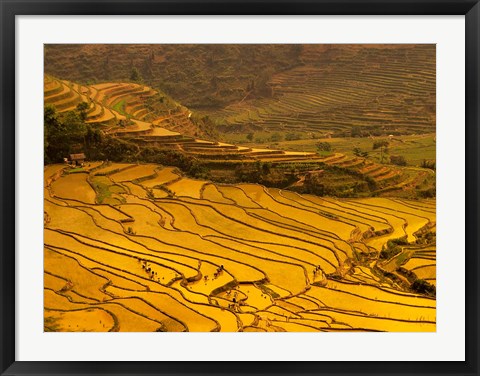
column 239, row 187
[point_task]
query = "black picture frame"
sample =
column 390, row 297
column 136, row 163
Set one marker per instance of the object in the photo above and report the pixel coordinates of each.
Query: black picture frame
column 12, row 8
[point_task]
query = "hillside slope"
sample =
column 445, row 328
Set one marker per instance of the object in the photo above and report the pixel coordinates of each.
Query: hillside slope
column 139, row 247
column 314, row 88
column 200, row 75
column 150, row 123
column 382, row 90
column 126, row 107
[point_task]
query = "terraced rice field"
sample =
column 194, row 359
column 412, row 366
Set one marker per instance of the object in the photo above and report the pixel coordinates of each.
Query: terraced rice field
column 339, row 87
column 139, row 247
column 111, row 103
column 121, row 108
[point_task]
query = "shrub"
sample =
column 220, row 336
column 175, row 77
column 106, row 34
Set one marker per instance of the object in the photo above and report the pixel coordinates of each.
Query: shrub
column 292, row 136
column 423, row 287
column 398, row 160
column 428, row 164
column 276, row 137
column 359, row 153
column 388, row 253
column 392, row 249
column 135, row 75
column 427, row 193
column 356, row 132
column 380, row 144
column 324, row 146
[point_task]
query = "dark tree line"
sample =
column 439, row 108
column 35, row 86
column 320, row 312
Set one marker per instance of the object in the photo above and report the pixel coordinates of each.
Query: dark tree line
column 65, row 133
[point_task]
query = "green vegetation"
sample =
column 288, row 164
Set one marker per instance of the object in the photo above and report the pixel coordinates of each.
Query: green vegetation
column 262, row 173
column 392, row 248
column 206, row 126
column 268, row 291
column 398, row 160
column 63, row 134
column 135, row 75
column 324, row 146
column 418, row 150
column 359, row 153
column 423, row 287
column 75, row 170
column 356, row 132
column 120, row 107
column 337, row 182
column 276, row 137
column 428, row 164
column 101, row 188
column 82, row 110
column 106, row 190
column 292, row 136
column 383, row 145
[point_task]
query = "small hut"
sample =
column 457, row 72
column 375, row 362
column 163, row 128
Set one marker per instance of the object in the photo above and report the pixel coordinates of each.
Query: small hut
column 77, row 159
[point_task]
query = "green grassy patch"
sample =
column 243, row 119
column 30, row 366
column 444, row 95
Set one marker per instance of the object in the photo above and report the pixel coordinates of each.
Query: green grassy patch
column 107, row 193
column 414, row 148
column 120, row 107
column 75, row 170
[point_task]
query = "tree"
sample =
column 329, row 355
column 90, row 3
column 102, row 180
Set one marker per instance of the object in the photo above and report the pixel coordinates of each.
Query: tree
column 50, row 116
column 423, row 287
column 379, row 144
column 93, row 137
column 383, row 146
column 276, row 137
column 250, row 136
column 266, row 168
column 356, row 132
column 82, row 110
column 46, row 159
column 74, row 128
column 50, row 122
column 62, row 133
column 313, row 183
column 52, row 128
column 398, row 160
column 324, row 146
column 135, row 75
column 359, row 153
